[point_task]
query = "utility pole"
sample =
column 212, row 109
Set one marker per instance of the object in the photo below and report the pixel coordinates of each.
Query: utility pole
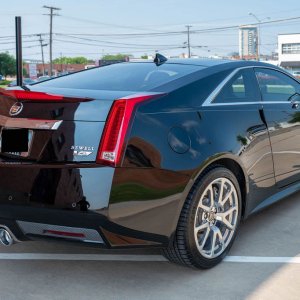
column 51, row 14
column 19, row 61
column 188, row 40
column 61, row 63
column 42, row 51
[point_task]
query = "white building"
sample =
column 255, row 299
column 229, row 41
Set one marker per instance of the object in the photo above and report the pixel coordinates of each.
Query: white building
column 248, row 42
column 289, row 51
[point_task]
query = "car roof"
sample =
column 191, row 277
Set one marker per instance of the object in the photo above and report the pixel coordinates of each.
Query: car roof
column 215, row 62
column 208, row 63
column 197, row 61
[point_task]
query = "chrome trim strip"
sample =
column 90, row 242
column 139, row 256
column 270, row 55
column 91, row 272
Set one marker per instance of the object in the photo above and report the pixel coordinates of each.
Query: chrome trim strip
column 209, row 100
column 91, row 235
column 218, row 89
column 248, row 103
column 56, row 125
column 29, row 123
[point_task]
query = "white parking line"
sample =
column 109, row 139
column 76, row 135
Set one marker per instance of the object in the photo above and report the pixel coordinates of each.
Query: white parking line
column 263, row 259
column 137, row 258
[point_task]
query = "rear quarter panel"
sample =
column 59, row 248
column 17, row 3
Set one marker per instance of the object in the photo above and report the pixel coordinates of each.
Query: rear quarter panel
column 156, row 179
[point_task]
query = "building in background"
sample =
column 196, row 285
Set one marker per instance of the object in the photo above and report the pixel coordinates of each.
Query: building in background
column 289, row 51
column 58, row 69
column 248, row 42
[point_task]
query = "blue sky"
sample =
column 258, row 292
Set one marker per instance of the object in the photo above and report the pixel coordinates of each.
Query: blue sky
column 94, row 17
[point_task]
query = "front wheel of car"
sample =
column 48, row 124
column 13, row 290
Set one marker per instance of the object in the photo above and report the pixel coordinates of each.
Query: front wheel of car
column 209, row 220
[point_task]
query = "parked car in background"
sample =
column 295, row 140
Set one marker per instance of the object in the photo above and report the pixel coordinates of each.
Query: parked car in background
column 63, row 73
column 170, row 154
column 43, row 78
column 296, row 74
column 25, row 82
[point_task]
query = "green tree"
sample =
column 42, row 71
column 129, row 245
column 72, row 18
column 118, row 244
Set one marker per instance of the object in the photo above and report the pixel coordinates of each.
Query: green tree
column 115, row 57
column 144, row 56
column 25, row 74
column 71, row 60
column 7, row 64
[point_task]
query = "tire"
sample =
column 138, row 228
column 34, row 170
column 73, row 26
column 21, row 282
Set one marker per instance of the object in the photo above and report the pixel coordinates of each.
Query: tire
column 208, row 224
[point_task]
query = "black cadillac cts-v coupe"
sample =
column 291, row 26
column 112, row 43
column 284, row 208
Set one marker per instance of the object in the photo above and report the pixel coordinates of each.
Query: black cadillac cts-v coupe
column 170, row 154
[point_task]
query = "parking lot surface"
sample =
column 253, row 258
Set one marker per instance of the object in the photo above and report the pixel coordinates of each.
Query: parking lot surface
column 264, row 263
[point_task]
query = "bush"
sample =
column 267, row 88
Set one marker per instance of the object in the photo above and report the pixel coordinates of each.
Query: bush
column 4, row 82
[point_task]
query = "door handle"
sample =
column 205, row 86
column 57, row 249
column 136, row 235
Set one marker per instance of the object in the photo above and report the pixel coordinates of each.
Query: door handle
column 295, row 105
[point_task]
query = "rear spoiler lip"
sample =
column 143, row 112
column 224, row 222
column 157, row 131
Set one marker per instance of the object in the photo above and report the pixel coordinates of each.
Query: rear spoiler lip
column 20, row 95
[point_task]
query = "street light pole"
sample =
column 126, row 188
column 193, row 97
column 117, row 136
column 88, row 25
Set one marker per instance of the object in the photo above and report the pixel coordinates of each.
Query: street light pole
column 259, row 34
column 188, row 40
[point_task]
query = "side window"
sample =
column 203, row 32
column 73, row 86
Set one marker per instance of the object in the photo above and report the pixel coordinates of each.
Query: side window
column 276, row 86
column 242, row 87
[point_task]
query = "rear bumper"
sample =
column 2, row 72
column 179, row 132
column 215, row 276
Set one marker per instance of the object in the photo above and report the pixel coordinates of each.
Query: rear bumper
column 103, row 206
column 92, row 228
column 46, row 201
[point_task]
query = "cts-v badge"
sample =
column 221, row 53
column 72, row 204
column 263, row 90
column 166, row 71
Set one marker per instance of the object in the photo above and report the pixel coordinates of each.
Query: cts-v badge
column 16, row 109
column 82, row 150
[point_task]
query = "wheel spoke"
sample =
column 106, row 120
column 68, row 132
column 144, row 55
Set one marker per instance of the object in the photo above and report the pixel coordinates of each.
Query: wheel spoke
column 216, row 234
column 214, row 238
column 221, row 191
column 227, row 196
column 205, row 238
column 222, row 217
column 201, row 227
column 227, row 224
column 203, row 206
column 208, row 195
column 211, row 194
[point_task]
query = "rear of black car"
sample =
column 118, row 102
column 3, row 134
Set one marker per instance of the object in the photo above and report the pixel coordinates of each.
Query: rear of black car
column 62, row 157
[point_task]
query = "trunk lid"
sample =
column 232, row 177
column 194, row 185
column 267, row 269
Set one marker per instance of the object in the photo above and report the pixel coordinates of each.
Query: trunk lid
column 55, row 130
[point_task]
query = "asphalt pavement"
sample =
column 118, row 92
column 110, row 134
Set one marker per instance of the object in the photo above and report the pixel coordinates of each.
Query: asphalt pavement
column 264, row 263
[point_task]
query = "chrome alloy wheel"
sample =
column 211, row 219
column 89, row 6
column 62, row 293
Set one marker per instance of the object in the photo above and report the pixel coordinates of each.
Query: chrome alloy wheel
column 216, row 217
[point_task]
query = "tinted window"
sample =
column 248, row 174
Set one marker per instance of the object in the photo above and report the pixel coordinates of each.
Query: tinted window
column 276, row 86
column 123, row 77
column 242, row 87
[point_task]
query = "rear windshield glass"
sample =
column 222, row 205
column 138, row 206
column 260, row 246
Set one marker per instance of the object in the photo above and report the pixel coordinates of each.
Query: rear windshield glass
column 123, row 77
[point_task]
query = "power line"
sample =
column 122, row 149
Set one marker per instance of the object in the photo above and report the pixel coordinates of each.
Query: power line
column 195, row 31
column 11, row 49
column 13, row 42
column 118, row 52
column 114, row 43
column 118, row 47
column 105, row 24
column 23, row 36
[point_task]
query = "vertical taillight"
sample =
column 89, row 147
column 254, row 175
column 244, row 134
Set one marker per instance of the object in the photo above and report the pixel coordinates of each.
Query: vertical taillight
column 117, row 125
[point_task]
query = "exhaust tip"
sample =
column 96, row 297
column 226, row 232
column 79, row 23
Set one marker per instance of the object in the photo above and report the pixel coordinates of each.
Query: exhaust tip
column 6, row 238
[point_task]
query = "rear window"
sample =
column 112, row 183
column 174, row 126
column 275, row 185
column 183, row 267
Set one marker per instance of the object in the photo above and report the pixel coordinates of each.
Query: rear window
column 123, row 77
